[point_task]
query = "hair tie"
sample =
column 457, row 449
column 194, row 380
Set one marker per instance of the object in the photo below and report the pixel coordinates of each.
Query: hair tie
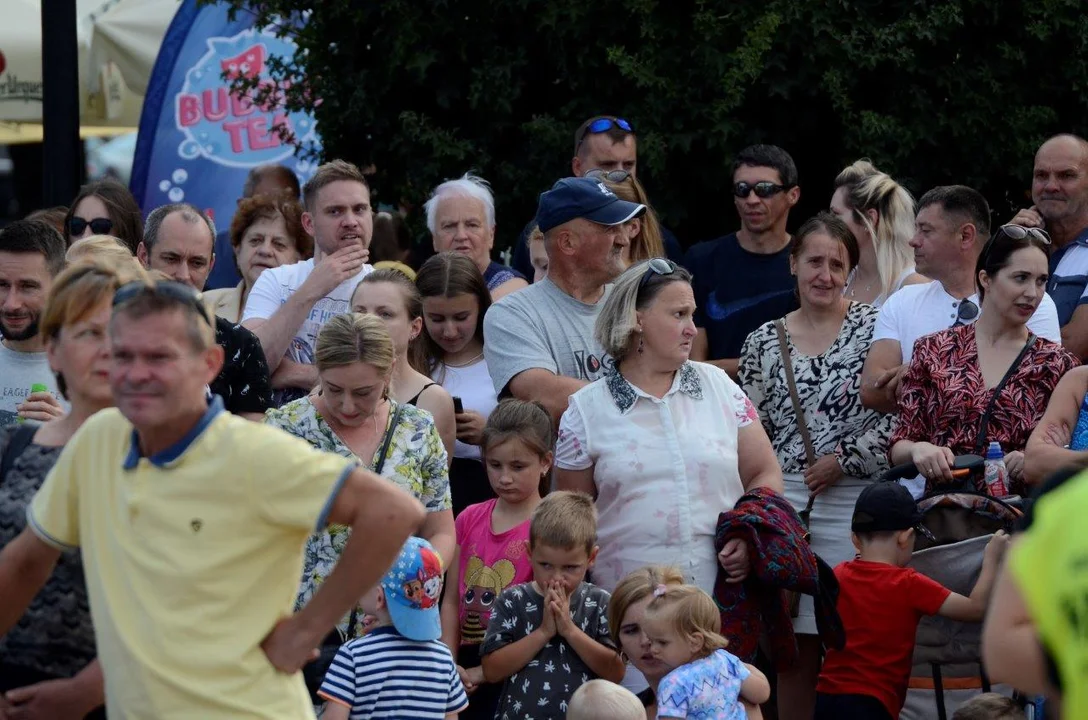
column 660, row 590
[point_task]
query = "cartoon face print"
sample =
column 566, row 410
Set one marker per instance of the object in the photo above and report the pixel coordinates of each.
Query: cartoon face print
column 482, row 586
column 432, row 586
column 413, row 591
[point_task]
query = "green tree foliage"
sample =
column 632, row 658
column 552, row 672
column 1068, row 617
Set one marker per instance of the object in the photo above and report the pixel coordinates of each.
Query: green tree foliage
column 934, row 91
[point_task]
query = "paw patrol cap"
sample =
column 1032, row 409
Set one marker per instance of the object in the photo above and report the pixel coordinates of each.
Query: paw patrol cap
column 412, row 588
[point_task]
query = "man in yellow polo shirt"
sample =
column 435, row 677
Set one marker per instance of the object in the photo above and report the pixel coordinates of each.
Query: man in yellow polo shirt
column 191, row 523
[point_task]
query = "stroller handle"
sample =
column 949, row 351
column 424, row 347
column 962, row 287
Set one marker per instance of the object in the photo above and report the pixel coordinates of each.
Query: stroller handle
column 963, row 466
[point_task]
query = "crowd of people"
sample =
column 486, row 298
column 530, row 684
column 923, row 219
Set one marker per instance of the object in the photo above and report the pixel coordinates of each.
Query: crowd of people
column 354, row 486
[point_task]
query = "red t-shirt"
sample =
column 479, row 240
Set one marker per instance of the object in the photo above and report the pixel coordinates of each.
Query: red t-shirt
column 880, row 606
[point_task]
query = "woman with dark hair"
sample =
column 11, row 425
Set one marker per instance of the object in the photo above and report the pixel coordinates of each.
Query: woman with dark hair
column 947, row 400
column 266, row 232
column 105, row 207
column 455, row 299
column 803, row 374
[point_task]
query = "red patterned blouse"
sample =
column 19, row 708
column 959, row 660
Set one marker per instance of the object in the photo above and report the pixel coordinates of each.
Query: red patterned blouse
column 943, row 395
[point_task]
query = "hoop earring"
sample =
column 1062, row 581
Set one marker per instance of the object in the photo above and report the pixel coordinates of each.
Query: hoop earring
column 624, row 658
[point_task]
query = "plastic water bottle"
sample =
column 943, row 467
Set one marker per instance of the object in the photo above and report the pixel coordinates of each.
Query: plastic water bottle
column 997, row 475
column 35, row 388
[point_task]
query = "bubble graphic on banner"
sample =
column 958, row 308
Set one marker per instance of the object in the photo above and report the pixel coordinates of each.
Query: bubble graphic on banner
column 164, row 186
column 176, row 194
column 179, row 176
column 231, row 129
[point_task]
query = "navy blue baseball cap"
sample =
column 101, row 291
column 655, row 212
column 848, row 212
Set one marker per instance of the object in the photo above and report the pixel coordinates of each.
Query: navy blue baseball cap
column 578, row 197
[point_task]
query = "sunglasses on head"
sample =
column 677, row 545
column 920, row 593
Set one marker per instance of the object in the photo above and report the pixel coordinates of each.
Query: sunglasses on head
column 99, row 225
column 166, row 289
column 656, row 266
column 1019, row 232
column 763, row 189
column 603, row 124
column 612, row 176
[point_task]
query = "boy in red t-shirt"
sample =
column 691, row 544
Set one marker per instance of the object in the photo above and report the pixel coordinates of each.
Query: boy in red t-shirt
column 881, row 602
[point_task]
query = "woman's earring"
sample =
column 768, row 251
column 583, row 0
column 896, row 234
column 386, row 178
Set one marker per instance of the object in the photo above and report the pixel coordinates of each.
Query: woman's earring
column 640, row 343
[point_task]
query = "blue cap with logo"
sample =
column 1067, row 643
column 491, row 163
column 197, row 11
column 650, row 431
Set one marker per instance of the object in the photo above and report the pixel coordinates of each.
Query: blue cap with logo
column 413, row 586
column 579, row 197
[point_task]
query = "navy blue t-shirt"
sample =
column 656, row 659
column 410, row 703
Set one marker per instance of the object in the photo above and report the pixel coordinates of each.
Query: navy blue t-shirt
column 736, row 291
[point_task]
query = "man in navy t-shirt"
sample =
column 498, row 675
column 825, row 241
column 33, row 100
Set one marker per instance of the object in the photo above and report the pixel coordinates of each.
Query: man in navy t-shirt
column 743, row 280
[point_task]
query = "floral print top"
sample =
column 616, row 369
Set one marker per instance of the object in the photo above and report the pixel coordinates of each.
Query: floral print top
column 416, row 461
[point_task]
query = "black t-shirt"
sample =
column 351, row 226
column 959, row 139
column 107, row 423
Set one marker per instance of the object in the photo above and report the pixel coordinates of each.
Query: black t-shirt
column 244, row 382
column 736, row 291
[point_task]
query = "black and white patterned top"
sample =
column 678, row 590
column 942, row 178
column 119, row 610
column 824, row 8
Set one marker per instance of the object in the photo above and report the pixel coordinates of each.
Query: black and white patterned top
column 542, row 689
column 829, row 386
column 55, row 635
column 244, row 382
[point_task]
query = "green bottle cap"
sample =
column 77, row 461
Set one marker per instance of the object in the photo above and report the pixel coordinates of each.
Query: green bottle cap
column 38, row 387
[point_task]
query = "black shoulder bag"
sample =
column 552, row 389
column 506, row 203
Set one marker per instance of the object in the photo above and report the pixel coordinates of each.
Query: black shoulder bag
column 980, row 439
column 18, row 442
column 314, row 672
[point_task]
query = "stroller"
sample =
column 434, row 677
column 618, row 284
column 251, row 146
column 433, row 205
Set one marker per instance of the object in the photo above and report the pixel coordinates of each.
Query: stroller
column 947, row 668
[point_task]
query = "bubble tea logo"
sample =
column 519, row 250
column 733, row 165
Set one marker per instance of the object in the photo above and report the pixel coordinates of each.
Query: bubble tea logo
column 228, row 128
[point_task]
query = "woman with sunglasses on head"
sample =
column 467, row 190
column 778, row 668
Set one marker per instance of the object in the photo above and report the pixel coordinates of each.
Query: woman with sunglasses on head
column 832, row 447
column 105, row 207
column 947, row 399
column 663, row 444
column 47, row 667
column 880, row 213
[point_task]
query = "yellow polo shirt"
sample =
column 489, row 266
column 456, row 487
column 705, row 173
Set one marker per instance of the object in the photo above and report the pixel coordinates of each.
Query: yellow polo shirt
column 191, row 556
column 1050, row 565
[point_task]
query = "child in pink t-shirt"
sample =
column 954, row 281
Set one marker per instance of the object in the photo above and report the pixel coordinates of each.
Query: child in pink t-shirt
column 493, row 539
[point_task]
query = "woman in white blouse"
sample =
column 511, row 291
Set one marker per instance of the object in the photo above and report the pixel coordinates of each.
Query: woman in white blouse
column 663, row 444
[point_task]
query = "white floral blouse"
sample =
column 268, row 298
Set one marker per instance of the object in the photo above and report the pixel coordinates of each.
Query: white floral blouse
column 416, row 461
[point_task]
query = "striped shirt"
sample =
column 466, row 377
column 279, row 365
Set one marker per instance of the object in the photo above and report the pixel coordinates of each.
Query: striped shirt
column 386, row 675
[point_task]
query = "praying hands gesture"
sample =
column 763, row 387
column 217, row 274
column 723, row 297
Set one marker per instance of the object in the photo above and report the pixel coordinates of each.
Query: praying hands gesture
column 557, row 605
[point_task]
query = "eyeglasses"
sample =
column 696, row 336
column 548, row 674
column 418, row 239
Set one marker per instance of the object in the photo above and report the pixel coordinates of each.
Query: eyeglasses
column 1019, row 232
column 656, row 266
column 99, row 225
column 966, row 313
column 600, row 125
column 612, row 176
column 763, row 189
column 168, row 290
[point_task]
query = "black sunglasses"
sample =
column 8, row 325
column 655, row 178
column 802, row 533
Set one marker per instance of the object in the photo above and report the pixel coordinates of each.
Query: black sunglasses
column 656, row 266
column 600, row 125
column 612, row 176
column 99, row 225
column 763, row 189
column 966, row 313
column 166, row 289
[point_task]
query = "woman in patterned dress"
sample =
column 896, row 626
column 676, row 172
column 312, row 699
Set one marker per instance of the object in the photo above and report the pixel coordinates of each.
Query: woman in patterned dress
column 350, row 414
column 953, row 374
column 828, row 338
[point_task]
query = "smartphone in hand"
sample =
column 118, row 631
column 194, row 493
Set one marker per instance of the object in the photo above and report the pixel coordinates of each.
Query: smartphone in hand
column 457, row 406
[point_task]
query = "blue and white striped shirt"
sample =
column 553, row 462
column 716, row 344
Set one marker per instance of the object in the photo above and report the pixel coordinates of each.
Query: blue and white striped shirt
column 385, row 675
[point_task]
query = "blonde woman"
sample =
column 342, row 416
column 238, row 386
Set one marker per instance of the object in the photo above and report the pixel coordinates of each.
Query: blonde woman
column 880, row 213
column 644, row 232
column 100, row 247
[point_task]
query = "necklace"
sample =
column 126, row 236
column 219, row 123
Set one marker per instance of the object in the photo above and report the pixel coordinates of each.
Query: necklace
column 466, row 363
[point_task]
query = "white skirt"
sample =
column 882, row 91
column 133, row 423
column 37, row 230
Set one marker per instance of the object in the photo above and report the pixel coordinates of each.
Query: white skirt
column 829, row 525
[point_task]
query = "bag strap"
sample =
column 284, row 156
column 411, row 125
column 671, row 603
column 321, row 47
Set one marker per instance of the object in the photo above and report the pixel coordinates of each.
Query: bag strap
column 388, row 440
column 980, row 439
column 17, row 443
column 787, row 364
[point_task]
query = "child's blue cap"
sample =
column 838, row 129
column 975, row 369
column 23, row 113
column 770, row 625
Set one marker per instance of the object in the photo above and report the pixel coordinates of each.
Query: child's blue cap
column 412, row 588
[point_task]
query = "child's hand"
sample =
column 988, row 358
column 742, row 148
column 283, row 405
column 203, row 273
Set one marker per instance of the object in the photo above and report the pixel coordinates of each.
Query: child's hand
column 548, row 626
column 995, row 549
column 560, row 607
column 471, row 678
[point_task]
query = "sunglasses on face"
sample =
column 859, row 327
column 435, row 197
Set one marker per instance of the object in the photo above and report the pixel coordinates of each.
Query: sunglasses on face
column 99, row 225
column 763, row 189
column 656, row 266
column 601, row 125
column 168, row 290
column 612, row 176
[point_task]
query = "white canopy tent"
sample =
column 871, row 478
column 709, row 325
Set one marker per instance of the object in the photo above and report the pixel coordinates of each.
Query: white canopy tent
column 118, row 42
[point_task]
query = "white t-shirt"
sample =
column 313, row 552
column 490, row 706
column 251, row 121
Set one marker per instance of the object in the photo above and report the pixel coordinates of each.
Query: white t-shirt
column 920, row 310
column 276, row 285
column 473, row 385
column 18, row 371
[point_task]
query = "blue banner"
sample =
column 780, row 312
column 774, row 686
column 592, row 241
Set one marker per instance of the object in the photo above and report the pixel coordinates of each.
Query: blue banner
column 197, row 140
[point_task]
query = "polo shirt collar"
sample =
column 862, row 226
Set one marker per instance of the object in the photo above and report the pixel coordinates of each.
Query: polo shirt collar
column 624, row 393
column 169, row 456
column 1056, row 256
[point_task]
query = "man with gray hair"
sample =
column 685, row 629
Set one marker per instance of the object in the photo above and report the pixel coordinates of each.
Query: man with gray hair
column 461, row 218
column 178, row 241
column 539, row 342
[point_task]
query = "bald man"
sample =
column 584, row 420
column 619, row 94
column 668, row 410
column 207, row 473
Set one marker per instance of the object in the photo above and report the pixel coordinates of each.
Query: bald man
column 1059, row 189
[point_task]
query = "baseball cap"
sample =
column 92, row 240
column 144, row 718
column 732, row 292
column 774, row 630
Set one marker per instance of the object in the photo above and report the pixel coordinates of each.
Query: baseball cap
column 572, row 198
column 413, row 586
column 885, row 506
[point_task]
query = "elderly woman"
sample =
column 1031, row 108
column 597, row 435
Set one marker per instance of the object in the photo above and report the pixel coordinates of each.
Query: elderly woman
column 948, row 403
column 266, row 232
column 824, row 342
column 105, row 207
column 461, row 218
column 662, row 443
column 47, row 665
